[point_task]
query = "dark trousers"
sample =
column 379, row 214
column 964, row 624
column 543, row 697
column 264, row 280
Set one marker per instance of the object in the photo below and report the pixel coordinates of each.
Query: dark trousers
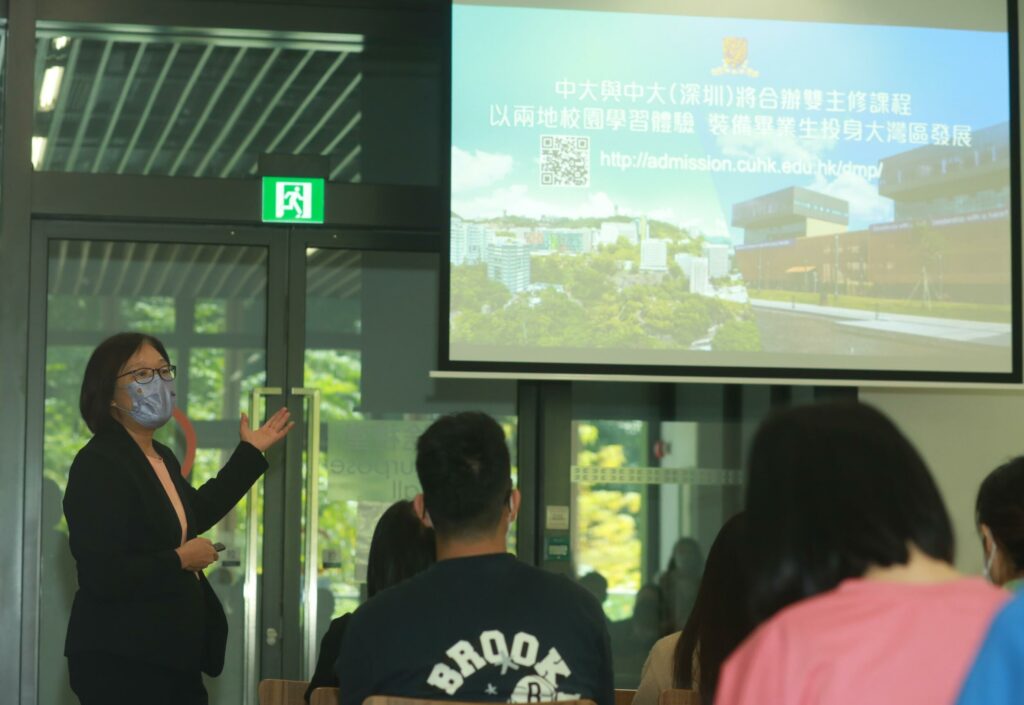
column 105, row 679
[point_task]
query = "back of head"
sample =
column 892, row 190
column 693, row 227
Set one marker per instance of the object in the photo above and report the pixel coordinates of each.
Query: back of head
column 720, row 618
column 687, row 558
column 1000, row 507
column 400, row 548
column 596, row 584
column 834, row 489
column 463, row 466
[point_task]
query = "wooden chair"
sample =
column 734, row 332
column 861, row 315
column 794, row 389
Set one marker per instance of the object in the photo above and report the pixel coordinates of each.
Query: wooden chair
column 280, row 692
column 324, row 696
column 624, row 697
column 394, row 700
column 679, row 697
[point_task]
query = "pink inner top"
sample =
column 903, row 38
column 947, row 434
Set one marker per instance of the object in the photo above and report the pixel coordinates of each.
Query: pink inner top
column 867, row 641
column 172, row 493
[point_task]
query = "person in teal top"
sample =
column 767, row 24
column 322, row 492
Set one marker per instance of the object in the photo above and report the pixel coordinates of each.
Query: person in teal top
column 997, row 677
column 1000, row 516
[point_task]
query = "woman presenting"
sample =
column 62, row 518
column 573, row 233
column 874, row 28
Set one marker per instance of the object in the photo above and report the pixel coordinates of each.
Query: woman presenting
column 145, row 622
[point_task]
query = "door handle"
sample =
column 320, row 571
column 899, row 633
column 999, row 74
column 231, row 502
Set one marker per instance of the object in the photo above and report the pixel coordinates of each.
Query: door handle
column 312, row 522
column 250, row 637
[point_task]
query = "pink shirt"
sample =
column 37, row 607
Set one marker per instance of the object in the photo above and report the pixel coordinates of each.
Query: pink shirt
column 172, row 492
column 867, row 641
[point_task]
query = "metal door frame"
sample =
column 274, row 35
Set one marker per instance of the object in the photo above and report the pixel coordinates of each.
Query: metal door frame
column 44, row 232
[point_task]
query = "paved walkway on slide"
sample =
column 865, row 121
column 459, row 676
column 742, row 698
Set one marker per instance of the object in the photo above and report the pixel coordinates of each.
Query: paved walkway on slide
column 950, row 329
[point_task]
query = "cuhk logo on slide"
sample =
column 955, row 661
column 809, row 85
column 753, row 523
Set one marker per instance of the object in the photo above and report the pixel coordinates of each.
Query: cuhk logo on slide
column 735, row 52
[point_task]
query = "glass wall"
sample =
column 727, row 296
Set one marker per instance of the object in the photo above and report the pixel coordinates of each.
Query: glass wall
column 656, row 471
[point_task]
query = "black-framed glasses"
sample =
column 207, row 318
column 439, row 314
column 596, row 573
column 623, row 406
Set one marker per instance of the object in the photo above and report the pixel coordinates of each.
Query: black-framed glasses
column 145, row 375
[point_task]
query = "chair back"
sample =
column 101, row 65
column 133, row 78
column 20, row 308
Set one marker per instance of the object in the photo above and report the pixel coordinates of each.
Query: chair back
column 395, row 700
column 324, row 696
column 624, row 697
column 280, row 692
column 679, row 697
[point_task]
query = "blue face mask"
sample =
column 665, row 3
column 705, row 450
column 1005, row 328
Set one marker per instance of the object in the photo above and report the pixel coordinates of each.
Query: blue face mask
column 152, row 403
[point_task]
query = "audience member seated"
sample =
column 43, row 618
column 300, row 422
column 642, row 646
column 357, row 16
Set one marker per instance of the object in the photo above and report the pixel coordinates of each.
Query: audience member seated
column 997, row 677
column 851, row 556
column 478, row 624
column 680, row 582
column 597, row 585
column 634, row 636
column 1000, row 516
column 400, row 548
column 691, row 659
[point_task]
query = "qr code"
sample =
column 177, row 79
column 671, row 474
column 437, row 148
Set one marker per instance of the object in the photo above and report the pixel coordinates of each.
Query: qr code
column 564, row 160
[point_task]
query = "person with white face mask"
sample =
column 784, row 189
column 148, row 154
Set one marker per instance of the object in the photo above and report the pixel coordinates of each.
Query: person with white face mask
column 999, row 512
column 145, row 622
column 997, row 677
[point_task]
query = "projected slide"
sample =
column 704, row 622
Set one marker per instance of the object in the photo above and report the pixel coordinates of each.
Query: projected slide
column 663, row 190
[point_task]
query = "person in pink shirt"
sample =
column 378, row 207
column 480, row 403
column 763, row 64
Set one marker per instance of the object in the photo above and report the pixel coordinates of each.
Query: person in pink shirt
column 852, row 581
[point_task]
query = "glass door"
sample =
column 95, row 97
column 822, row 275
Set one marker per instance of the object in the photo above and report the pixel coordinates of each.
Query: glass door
column 341, row 327
column 362, row 342
column 206, row 292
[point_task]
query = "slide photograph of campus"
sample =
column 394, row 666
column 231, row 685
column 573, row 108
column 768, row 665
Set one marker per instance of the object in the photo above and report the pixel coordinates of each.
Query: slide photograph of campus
column 717, row 194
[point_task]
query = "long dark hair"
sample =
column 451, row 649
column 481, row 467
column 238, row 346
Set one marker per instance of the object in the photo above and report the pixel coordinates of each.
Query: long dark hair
column 1000, row 507
column 400, row 548
column 833, row 490
column 720, row 619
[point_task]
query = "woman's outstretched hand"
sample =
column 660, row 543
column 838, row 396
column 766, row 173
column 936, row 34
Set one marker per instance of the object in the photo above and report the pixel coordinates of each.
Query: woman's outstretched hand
column 276, row 428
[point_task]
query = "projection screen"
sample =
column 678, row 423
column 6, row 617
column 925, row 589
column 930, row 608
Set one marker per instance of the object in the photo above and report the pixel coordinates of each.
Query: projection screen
column 638, row 190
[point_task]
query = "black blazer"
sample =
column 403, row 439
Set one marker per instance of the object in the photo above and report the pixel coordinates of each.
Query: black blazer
column 133, row 597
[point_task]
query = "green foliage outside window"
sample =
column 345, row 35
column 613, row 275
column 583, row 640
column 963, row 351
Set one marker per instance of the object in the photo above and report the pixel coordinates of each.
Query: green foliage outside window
column 609, row 517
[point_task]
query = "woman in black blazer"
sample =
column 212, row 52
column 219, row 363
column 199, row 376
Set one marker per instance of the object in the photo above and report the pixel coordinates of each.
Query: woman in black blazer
column 145, row 622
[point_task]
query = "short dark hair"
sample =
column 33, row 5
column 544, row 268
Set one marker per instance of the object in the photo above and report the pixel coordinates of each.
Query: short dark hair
column 719, row 620
column 400, row 548
column 596, row 584
column 688, row 549
column 1000, row 507
column 834, row 489
column 463, row 465
column 100, row 378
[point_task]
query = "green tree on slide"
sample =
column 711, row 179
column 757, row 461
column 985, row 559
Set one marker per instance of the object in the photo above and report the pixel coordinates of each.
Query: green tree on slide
column 473, row 291
column 737, row 336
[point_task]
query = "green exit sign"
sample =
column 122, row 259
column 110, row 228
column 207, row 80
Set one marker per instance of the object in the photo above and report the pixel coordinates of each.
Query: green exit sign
column 293, row 200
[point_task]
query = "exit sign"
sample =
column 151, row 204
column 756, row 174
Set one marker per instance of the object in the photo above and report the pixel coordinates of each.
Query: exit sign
column 293, row 200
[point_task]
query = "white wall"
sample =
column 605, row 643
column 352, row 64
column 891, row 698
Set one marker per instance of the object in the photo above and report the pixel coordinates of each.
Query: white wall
column 963, row 435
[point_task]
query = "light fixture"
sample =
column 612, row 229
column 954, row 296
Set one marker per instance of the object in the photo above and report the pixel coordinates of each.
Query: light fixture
column 50, row 89
column 38, row 150
column 60, row 42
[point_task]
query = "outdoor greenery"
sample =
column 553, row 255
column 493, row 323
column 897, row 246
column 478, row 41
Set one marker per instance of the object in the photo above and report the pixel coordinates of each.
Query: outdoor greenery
column 590, row 301
column 609, row 517
column 737, row 335
column 990, row 313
